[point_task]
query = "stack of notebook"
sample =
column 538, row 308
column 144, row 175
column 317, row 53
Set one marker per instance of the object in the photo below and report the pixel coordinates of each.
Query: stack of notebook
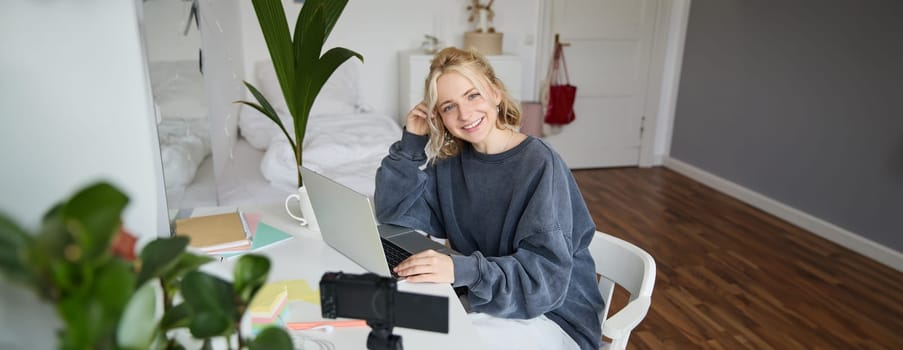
column 268, row 304
column 294, row 305
column 229, row 234
column 216, row 233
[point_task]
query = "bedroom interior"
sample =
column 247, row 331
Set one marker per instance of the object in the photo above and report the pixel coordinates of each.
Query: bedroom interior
column 838, row 236
column 244, row 159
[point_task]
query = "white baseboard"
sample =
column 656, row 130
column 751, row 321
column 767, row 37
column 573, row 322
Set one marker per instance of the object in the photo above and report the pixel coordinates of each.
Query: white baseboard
column 826, row 230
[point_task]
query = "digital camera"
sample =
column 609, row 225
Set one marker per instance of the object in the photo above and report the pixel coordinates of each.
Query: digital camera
column 376, row 299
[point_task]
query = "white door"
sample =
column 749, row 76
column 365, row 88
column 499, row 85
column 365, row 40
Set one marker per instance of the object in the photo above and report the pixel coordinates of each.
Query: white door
column 608, row 60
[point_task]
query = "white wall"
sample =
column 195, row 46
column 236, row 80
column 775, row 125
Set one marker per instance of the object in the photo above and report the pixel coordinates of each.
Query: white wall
column 164, row 23
column 678, row 16
column 379, row 30
column 76, row 107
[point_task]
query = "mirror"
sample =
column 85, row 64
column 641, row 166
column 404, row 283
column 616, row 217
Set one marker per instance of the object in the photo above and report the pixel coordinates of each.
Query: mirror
column 198, row 53
column 174, row 52
column 196, row 66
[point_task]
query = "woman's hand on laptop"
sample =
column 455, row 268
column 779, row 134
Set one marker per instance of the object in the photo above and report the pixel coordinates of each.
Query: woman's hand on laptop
column 427, row 266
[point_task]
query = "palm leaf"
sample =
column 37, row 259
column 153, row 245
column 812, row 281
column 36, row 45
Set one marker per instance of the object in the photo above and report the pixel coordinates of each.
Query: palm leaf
column 306, row 59
column 305, row 53
column 299, row 67
column 327, row 65
column 329, row 9
column 331, row 13
column 266, row 109
column 302, row 25
column 274, row 26
column 311, row 46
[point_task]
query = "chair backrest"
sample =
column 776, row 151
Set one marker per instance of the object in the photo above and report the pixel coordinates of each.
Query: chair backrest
column 622, row 263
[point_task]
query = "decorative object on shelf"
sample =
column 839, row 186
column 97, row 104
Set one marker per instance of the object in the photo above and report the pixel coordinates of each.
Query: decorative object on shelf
column 84, row 263
column 430, row 44
column 300, row 68
column 484, row 38
column 483, row 14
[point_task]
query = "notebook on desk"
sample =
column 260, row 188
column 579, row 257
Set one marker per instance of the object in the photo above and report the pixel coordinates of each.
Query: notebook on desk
column 348, row 224
column 214, row 232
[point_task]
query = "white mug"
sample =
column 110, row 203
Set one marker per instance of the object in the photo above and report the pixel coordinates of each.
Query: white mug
column 307, row 217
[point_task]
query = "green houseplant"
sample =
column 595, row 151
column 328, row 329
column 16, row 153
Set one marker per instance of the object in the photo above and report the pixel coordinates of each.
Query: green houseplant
column 82, row 262
column 300, row 68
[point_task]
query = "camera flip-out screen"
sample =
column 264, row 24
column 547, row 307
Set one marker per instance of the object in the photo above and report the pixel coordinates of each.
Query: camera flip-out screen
column 374, row 298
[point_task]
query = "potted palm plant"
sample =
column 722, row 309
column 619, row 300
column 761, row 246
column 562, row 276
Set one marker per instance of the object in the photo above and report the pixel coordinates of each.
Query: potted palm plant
column 301, row 69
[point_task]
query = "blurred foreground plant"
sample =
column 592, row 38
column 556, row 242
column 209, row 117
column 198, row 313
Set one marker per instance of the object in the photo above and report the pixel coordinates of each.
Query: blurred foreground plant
column 84, row 263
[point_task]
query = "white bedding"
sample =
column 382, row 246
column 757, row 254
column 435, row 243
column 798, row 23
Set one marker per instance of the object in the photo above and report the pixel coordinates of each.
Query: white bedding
column 200, row 193
column 339, row 95
column 183, row 146
column 343, row 142
column 178, row 89
column 242, row 182
column 345, row 147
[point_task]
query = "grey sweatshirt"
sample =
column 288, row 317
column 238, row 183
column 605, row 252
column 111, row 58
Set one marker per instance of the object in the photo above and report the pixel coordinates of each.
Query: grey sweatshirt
column 518, row 217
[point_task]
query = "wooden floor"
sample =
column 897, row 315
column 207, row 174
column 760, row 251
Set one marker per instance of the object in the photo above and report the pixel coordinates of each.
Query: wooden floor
column 730, row 276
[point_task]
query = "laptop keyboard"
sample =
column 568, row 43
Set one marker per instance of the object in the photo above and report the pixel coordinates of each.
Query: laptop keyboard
column 394, row 254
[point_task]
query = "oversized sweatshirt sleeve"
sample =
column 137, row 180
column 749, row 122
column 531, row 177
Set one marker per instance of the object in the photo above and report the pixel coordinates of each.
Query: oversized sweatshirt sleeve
column 534, row 279
column 406, row 195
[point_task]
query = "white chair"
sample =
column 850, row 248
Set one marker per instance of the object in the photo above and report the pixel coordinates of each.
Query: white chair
column 630, row 267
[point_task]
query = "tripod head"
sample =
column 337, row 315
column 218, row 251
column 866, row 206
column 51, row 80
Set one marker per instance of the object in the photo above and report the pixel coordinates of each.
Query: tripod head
column 381, row 337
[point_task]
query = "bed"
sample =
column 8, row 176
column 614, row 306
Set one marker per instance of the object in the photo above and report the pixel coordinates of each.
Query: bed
column 182, row 125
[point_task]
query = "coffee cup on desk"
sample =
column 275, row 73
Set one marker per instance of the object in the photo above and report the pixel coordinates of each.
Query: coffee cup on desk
column 307, row 217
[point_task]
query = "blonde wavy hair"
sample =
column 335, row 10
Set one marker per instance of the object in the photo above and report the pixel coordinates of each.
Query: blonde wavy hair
column 475, row 68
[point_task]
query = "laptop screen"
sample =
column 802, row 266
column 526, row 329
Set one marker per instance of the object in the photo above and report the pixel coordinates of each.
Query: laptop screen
column 347, row 222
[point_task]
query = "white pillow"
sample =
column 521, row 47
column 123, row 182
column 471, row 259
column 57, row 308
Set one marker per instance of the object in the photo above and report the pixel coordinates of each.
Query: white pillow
column 339, row 95
column 183, row 146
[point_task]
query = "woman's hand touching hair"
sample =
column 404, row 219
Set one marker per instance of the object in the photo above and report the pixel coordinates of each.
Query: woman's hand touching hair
column 417, row 122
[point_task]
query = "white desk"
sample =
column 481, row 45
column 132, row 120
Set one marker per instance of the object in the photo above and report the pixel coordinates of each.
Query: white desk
column 308, row 257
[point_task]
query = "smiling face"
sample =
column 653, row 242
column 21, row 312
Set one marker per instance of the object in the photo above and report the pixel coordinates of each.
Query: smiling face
column 467, row 113
column 468, row 105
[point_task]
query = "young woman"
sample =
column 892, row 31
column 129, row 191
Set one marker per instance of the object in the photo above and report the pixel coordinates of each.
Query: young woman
column 504, row 199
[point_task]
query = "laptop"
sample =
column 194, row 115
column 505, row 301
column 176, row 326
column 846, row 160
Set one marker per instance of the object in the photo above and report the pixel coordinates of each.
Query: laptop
column 348, row 224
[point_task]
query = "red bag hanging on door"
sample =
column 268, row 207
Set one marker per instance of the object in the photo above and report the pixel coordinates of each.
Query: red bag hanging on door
column 560, row 109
